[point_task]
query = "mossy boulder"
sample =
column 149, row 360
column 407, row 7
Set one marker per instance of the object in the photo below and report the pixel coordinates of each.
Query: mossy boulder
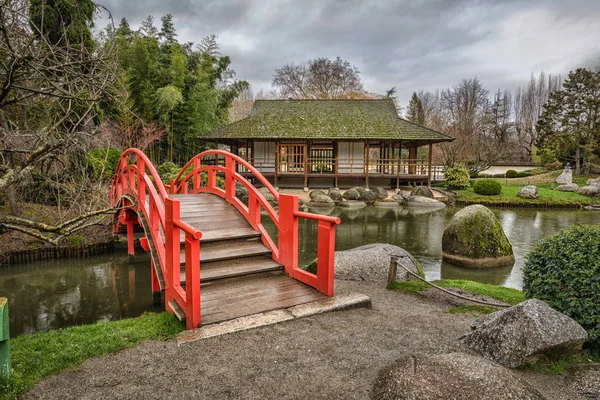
column 335, row 195
column 360, row 190
column 368, row 197
column 321, row 200
column 422, row 191
column 316, row 193
column 380, row 192
column 351, row 194
column 476, row 239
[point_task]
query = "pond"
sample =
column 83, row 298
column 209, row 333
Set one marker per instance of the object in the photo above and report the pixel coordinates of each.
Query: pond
column 50, row 295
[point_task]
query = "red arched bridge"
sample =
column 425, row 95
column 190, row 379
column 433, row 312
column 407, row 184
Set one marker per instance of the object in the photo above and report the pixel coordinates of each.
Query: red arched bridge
column 209, row 250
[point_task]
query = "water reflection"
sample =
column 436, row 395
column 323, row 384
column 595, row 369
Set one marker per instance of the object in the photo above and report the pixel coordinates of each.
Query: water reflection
column 50, row 295
column 419, row 230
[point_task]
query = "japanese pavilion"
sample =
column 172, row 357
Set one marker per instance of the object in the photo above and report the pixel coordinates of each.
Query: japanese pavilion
column 339, row 143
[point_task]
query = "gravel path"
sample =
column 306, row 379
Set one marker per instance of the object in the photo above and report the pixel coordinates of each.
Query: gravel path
column 329, row 356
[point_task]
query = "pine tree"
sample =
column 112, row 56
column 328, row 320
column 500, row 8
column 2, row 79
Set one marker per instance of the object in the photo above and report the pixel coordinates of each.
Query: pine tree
column 147, row 28
column 124, row 30
column 167, row 31
column 415, row 112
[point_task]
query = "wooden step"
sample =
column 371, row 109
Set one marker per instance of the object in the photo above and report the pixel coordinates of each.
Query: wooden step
column 237, row 297
column 177, row 310
column 212, row 271
column 229, row 249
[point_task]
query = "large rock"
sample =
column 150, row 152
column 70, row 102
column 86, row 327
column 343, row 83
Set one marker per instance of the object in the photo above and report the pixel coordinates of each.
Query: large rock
column 267, row 195
column 592, row 188
column 352, row 204
column 524, row 333
column 371, row 263
column 398, row 198
column 423, row 191
column 566, row 177
column 474, row 238
column 351, row 194
column 316, row 193
column 449, row 376
column 335, row 195
column 368, row 197
column 321, row 200
column 529, row 192
column 380, row 192
column 420, row 201
column 568, row 187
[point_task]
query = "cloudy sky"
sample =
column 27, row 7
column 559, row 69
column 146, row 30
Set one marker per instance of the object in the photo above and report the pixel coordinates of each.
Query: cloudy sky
column 409, row 44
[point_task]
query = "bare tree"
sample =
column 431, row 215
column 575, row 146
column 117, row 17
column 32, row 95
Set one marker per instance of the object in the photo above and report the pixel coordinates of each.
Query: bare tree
column 321, row 78
column 465, row 108
column 49, row 106
column 528, row 107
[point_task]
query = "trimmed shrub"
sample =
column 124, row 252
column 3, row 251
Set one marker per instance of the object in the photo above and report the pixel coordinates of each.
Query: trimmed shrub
column 525, row 174
column 511, row 173
column 104, row 162
column 457, row 178
column 487, row 187
column 564, row 271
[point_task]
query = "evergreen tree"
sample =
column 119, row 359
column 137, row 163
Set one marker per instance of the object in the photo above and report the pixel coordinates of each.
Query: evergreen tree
column 124, row 29
column 167, row 32
column 571, row 117
column 64, row 22
column 415, row 112
column 147, row 28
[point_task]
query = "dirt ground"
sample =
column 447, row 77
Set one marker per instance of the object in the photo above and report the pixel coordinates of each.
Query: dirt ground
column 329, row 356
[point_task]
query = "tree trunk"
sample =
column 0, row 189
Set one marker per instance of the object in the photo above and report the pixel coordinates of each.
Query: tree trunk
column 578, row 159
column 13, row 206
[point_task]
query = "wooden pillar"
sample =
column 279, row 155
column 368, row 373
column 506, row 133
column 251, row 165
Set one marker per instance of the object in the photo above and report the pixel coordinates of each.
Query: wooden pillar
column 276, row 164
column 429, row 165
column 306, row 153
column 367, row 164
column 412, row 159
column 398, row 163
column 335, row 164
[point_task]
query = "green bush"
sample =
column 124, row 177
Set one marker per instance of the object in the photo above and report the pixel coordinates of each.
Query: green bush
column 104, row 162
column 525, row 174
column 168, row 171
column 487, row 187
column 564, row 271
column 511, row 173
column 457, row 178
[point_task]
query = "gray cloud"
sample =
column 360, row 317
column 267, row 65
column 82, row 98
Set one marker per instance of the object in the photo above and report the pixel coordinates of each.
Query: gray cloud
column 408, row 44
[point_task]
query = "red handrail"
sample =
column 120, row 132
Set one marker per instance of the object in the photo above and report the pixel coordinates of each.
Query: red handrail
column 138, row 186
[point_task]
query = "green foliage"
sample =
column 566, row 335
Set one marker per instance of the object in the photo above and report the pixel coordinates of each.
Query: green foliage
column 487, row 187
column 104, row 162
column 571, row 117
column 185, row 90
column 415, row 112
column 168, row 171
column 564, row 271
column 511, row 173
column 43, row 354
column 457, row 178
column 64, row 22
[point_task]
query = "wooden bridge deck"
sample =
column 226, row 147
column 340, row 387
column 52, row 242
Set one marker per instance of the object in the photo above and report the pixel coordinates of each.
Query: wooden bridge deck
column 237, row 274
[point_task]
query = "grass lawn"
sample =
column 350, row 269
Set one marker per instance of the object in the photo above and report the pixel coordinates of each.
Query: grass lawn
column 36, row 356
column 547, row 195
column 507, row 295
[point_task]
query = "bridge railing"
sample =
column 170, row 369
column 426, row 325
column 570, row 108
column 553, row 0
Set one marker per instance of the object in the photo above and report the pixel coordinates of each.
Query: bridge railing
column 199, row 175
column 138, row 189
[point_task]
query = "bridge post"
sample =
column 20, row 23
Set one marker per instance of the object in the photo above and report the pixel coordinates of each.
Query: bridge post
column 288, row 232
column 229, row 179
column 172, row 250
column 4, row 340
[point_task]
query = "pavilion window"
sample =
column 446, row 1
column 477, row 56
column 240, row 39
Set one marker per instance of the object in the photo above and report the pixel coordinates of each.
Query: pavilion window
column 321, row 158
column 291, row 158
